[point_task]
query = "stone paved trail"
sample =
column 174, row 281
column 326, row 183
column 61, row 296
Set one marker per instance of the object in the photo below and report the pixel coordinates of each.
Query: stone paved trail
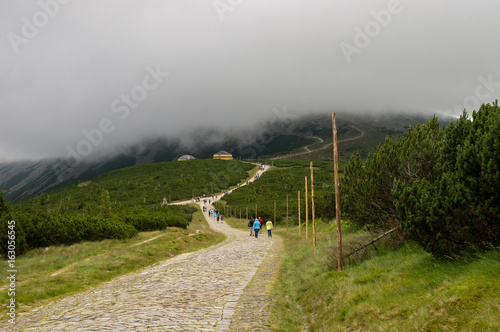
column 198, row 291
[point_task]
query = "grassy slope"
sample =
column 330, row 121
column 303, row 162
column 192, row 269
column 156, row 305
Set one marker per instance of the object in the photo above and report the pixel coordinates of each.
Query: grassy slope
column 143, row 185
column 399, row 290
column 286, row 177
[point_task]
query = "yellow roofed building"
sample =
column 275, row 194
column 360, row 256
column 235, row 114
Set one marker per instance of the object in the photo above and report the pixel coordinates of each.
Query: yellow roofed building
column 224, row 155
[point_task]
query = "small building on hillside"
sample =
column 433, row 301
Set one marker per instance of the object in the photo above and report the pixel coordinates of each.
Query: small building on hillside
column 224, row 155
column 186, row 157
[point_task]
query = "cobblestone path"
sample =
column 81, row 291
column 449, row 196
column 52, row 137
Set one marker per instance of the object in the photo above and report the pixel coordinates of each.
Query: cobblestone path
column 196, row 291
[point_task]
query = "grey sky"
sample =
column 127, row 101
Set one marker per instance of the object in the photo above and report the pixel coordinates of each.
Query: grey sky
column 229, row 64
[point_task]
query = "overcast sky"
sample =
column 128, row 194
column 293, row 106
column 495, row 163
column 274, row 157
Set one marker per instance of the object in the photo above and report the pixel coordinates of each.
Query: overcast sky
column 125, row 70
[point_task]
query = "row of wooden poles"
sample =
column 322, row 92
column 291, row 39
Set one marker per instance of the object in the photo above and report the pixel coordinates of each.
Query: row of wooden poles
column 229, row 211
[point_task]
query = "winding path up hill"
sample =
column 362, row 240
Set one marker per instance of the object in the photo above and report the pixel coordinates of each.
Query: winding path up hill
column 221, row 288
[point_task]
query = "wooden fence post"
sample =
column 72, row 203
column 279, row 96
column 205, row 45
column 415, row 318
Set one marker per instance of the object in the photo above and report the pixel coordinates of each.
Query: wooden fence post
column 312, row 201
column 274, row 214
column 337, row 192
column 287, row 213
column 307, row 214
column 299, row 212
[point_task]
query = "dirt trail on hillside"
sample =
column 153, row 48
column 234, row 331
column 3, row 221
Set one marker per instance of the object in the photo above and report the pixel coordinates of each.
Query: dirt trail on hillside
column 308, row 150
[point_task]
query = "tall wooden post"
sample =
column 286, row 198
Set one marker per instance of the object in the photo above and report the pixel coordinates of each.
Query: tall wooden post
column 307, row 213
column 299, row 212
column 312, row 201
column 247, row 212
column 256, row 215
column 274, row 214
column 287, row 212
column 337, row 192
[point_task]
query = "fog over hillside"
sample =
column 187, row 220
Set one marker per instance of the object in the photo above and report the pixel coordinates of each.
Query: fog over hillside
column 20, row 179
column 94, row 77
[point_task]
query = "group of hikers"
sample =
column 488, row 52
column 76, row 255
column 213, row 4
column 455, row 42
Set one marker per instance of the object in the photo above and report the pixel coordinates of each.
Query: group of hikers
column 256, row 225
column 215, row 213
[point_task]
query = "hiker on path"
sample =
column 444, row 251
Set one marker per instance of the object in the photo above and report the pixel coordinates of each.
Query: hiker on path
column 256, row 228
column 250, row 225
column 269, row 226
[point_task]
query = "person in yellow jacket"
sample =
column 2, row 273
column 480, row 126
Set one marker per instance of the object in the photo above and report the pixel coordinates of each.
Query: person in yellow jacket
column 269, row 226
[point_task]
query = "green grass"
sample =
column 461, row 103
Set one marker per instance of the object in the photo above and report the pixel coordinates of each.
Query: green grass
column 394, row 290
column 236, row 223
column 285, row 177
column 97, row 262
column 145, row 184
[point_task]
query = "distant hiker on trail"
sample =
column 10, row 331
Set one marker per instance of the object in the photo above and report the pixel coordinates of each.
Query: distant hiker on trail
column 250, row 225
column 256, row 228
column 269, row 226
column 261, row 222
column 221, row 218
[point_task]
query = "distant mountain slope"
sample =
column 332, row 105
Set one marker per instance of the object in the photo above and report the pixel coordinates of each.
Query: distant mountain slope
column 144, row 185
column 20, row 180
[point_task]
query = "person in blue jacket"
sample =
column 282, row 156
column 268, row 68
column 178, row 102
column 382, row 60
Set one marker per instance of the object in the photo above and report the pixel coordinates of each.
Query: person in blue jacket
column 256, row 228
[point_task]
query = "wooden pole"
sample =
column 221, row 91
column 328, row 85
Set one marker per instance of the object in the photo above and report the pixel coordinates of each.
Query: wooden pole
column 307, row 214
column 287, row 213
column 256, row 216
column 312, row 201
column 247, row 212
column 274, row 214
column 299, row 212
column 337, row 192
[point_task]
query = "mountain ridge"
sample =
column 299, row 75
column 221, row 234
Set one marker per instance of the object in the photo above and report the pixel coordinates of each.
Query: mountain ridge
column 22, row 179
